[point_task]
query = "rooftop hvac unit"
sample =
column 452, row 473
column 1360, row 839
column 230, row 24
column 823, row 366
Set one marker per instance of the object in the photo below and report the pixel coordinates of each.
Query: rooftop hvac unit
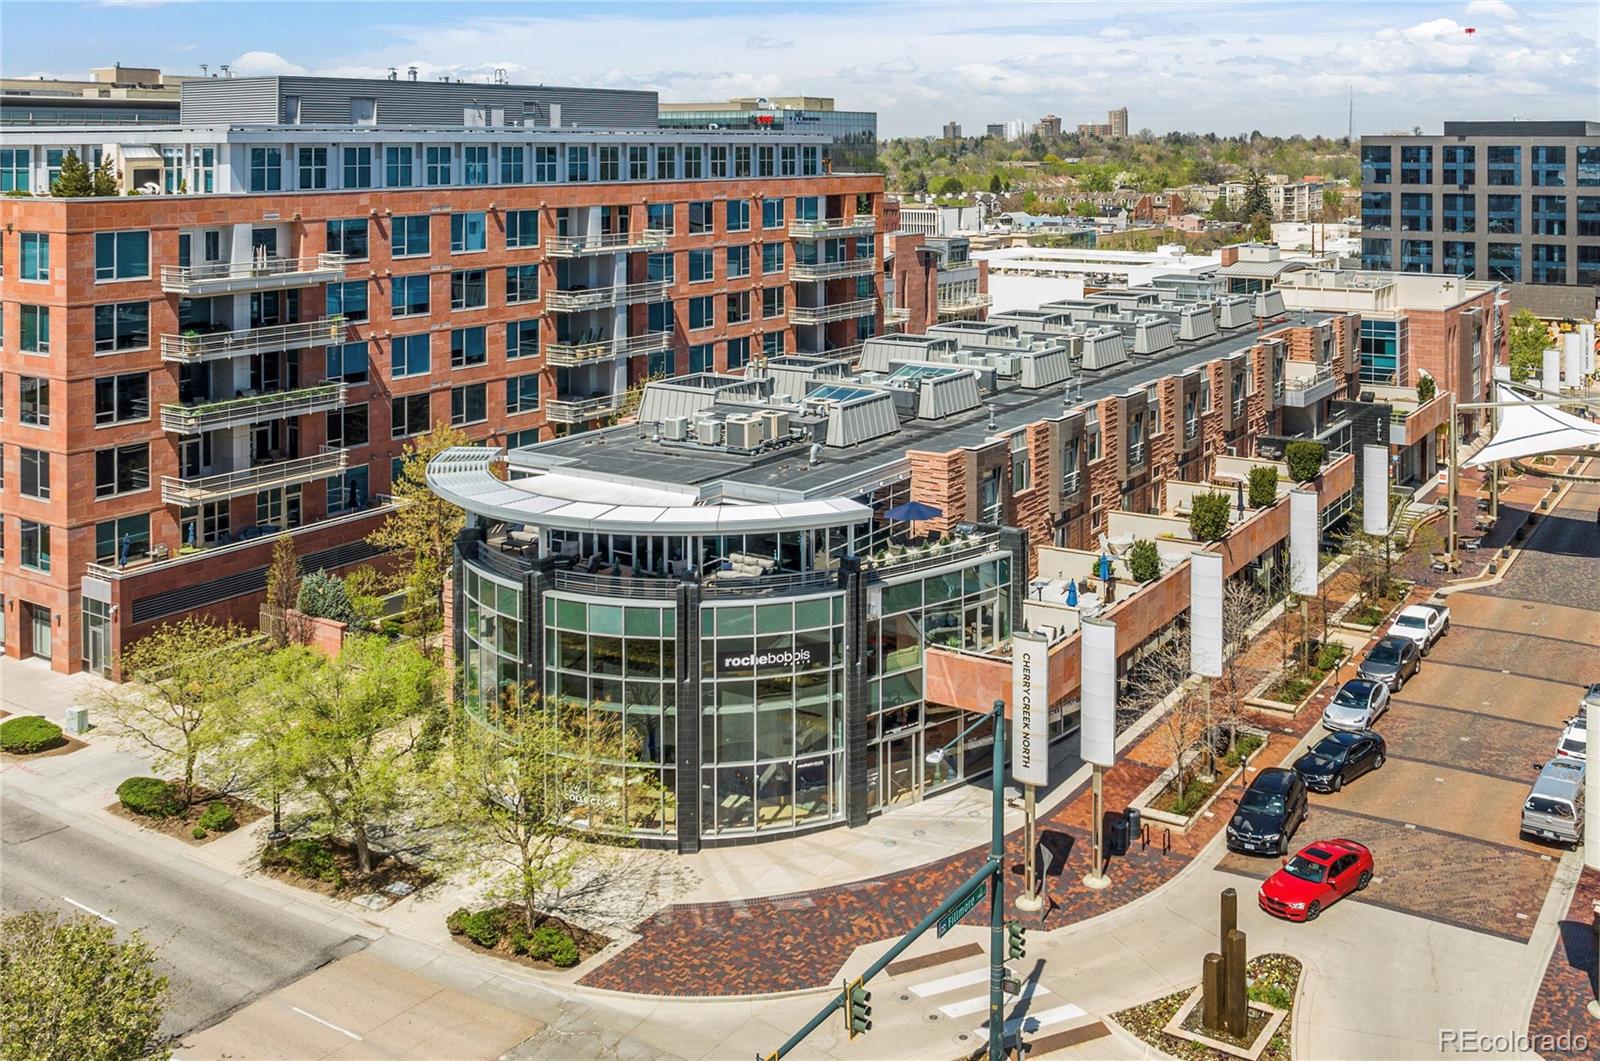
column 1004, row 364
column 675, row 428
column 745, row 433
column 708, row 431
column 777, row 423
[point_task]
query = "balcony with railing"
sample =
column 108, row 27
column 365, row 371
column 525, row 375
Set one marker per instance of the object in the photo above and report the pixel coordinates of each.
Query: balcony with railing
column 199, row 489
column 605, row 243
column 252, row 409
column 1136, row 454
column 582, row 353
column 576, row 301
column 832, row 270
column 965, row 301
column 1071, row 483
column 1308, row 384
column 194, row 346
column 836, row 311
column 582, row 410
column 833, row 227
column 258, row 274
column 850, row 352
column 896, row 315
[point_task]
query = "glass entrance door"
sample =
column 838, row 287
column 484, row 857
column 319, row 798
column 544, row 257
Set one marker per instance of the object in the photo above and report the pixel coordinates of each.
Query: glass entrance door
column 40, row 617
column 902, row 770
column 96, row 636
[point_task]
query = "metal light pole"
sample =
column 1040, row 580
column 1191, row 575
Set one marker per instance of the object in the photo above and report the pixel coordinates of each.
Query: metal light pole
column 1450, row 479
column 1030, row 900
column 997, row 892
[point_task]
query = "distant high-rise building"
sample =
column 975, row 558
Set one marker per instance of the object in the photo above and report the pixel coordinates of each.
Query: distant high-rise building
column 1016, row 128
column 1049, row 125
column 1119, row 123
column 952, row 130
column 997, row 130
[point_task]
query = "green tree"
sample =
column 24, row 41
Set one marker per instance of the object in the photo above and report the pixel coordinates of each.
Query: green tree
column 950, row 185
column 1260, row 230
column 1528, row 340
column 322, row 596
column 996, row 185
column 1332, row 202
column 1144, row 561
column 423, row 528
column 1304, row 459
column 69, row 990
column 1208, row 516
column 1426, row 388
column 74, row 181
column 283, row 586
column 355, row 723
column 184, row 678
column 105, row 178
column 1086, row 208
column 1263, row 486
column 262, row 728
column 1256, row 200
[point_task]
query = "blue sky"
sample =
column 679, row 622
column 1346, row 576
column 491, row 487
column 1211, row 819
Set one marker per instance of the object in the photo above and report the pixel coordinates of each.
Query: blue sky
column 1216, row 66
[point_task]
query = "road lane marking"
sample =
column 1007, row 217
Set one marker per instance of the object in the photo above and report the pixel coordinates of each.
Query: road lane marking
column 89, row 910
column 981, row 1003
column 326, row 1024
column 950, row 983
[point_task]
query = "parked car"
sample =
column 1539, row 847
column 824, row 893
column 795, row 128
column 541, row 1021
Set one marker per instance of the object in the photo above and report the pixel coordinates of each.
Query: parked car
column 1270, row 810
column 1554, row 807
column 1574, row 742
column 1590, row 698
column 1356, row 706
column 1392, row 661
column 1422, row 623
column 1320, row 875
column 1340, row 757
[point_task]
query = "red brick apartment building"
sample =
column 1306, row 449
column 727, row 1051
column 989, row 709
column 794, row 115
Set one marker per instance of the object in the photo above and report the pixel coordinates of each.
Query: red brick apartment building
column 317, row 270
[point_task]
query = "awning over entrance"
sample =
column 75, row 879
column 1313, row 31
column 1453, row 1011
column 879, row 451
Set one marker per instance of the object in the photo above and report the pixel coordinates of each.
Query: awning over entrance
column 1528, row 430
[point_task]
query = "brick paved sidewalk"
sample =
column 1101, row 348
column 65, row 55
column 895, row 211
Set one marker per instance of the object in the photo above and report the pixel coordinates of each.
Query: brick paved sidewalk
column 1569, row 984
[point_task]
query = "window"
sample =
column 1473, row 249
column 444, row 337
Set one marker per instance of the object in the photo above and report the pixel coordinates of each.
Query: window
column 522, row 228
column 577, row 162
column 358, row 167
column 1588, row 215
column 129, row 533
column 1549, row 263
column 522, row 394
column 15, row 169
column 409, row 296
column 513, row 170
column 738, row 261
column 772, row 344
column 1588, row 167
column 35, row 256
column 1589, row 265
column 766, row 161
column 741, row 160
column 266, row 169
column 1377, row 161
column 117, row 256
column 469, row 404
column 468, row 347
column 348, row 492
column 807, row 208
column 313, row 168
column 1416, row 256
column 702, row 358
column 610, row 163
column 347, row 363
column 347, row 427
column 1416, row 164
column 788, row 166
column 700, row 266
column 121, row 326
column 467, row 232
column 661, row 217
column 121, row 469
column 522, row 283
column 544, row 164
column 638, row 162
column 666, row 162
column 738, row 352
column 1505, row 166
column 348, row 300
column 398, row 168
column 348, row 237
column 475, row 164
column 739, row 307
column 409, row 235
column 363, row 110
column 1549, row 169
column 700, row 215
column 118, row 399
column 35, row 473
column 1459, row 257
column 1416, row 212
column 772, row 213
column 661, row 267
column 1549, row 215
column 203, row 171
column 436, row 167
column 1459, row 168
column 1505, row 214
column 719, row 161
column 772, row 257
column 469, row 289
column 35, row 396
column 409, row 415
column 772, row 302
column 410, row 355
column 663, row 364
column 738, row 215
column 702, row 313
column 1460, row 213
column 1505, row 262
column 35, row 545
column 35, row 337
column 694, row 162
column 522, row 339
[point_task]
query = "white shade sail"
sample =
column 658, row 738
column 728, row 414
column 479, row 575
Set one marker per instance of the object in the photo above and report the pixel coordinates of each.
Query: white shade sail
column 1527, row 430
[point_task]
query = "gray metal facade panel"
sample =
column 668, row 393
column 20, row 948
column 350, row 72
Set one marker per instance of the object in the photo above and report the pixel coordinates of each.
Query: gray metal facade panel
column 230, row 101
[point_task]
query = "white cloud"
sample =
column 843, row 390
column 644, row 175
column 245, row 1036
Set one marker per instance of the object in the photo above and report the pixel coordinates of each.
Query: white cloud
column 260, row 64
column 1491, row 9
column 762, row 40
column 1116, row 33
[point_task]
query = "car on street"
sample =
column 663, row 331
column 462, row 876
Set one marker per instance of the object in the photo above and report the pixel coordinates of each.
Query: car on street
column 1269, row 812
column 1340, row 757
column 1574, row 742
column 1554, row 807
column 1356, row 706
column 1318, row 876
column 1422, row 623
column 1590, row 698
column 1392, row 661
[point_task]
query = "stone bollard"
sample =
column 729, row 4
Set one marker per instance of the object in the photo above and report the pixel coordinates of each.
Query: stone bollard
column 1211, row 994
column 1235, row 1003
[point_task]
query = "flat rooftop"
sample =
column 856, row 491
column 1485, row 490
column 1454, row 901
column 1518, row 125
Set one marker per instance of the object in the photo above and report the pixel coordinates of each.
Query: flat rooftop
column 629, row 451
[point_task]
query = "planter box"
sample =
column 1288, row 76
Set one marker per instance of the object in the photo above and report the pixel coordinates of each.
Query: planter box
column 1178, row 821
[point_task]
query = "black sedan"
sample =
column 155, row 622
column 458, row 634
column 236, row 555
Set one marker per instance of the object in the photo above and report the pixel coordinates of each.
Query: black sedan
column 1270, row 810
column 1392, row 661
column 1340, row 757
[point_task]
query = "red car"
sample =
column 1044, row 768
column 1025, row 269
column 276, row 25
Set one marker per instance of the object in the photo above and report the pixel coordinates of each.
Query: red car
column 1314, row 879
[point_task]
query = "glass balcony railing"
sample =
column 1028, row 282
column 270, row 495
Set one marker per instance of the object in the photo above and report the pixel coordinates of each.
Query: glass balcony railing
column 831, row 270
column 252, row 409
column 582, row 353
column 582, row 410
column 258, row 274
column 605, row 243
column 576, row 301
column 837, row 311
column 194, row 346
column 199, row 489
column 831, row 227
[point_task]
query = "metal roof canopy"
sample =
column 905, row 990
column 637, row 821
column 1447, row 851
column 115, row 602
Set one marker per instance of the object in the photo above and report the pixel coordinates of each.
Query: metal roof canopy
column 1529, row 428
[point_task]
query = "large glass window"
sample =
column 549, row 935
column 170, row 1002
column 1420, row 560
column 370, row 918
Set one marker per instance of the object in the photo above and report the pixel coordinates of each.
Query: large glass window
column 469, row 404
column 522, row 339
column 410, row 355
column 35, row 545
column 469, row 289
column 358, row 167
column 1505, row 262
column 348, row 300
column 266, row 169
column 313, row 168
column 468, row 232
column 1377, row 254
column 409, row 235
column 119, row 539
column 1416, row 212
column 121, row 255
column 1377, row 162
column 1460, row 168
column 522, row 228
column 1549, row 215
column 408, row 416
column 1416, row 164
column 1588, row 166
column 347, row 363
column 1505, row 165
column 15, row 169
column 122, row 398
column 121, row 326
column 436, row 170
column 522, row 283
column 468, row 347
column 35, row 256
column 1460, row 213
column 1549, row 169
column 1377, row 209
column 409, row 296
column 522, row 394
column 1416, row 255
column 1505, row 214
column 398, row 167
column 348, row 236
column 1549, row 263
column 122, row 469
column 1459, row 257
column 1589, row 215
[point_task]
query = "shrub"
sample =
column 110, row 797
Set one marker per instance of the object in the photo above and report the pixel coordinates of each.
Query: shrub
column 1426, row 388
column 1208, row 517
column 309, row 858
column 1263, row 487
column 323, row 597
column 1144, row 561
column 483, row 928
column 1304, row 459
column 1328, row 657
column 555, row 945
column 217, row 817
column 198, row 832
column 456, row 922
column 150, row 796
column 28, row 734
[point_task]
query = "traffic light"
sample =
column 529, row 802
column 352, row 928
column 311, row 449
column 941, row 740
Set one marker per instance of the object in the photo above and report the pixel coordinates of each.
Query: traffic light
column 1017, row 940
column 858, row 1007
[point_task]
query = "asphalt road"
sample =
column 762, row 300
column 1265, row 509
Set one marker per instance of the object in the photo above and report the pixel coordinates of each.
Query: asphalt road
column 220, row 950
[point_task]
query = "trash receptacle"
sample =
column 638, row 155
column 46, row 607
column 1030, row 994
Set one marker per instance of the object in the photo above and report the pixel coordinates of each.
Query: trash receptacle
column 1117, row 842
column 1132, row 814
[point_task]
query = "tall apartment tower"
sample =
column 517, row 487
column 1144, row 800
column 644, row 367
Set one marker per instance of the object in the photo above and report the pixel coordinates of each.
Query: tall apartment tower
column 952, row 130
column 318, row 270
column 1119, row 123
column 1517, row 202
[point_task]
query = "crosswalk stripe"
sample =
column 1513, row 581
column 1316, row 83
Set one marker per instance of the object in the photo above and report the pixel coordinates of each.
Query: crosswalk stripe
column 1032, row 1022
column 981, row 1003
column 950, row 983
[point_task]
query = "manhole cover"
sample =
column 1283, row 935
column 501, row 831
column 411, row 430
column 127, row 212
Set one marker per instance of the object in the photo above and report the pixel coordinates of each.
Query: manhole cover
column 905, row 998
column 932, row 1017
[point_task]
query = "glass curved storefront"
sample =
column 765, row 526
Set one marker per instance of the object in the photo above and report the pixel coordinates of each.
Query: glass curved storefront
column 492, row 628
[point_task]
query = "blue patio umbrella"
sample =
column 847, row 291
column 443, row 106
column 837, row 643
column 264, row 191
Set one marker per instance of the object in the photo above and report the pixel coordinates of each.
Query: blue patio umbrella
column 913, row 511
column 127, row 547
column 1105, row 566
column 1072, row 593
column 191, row 535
